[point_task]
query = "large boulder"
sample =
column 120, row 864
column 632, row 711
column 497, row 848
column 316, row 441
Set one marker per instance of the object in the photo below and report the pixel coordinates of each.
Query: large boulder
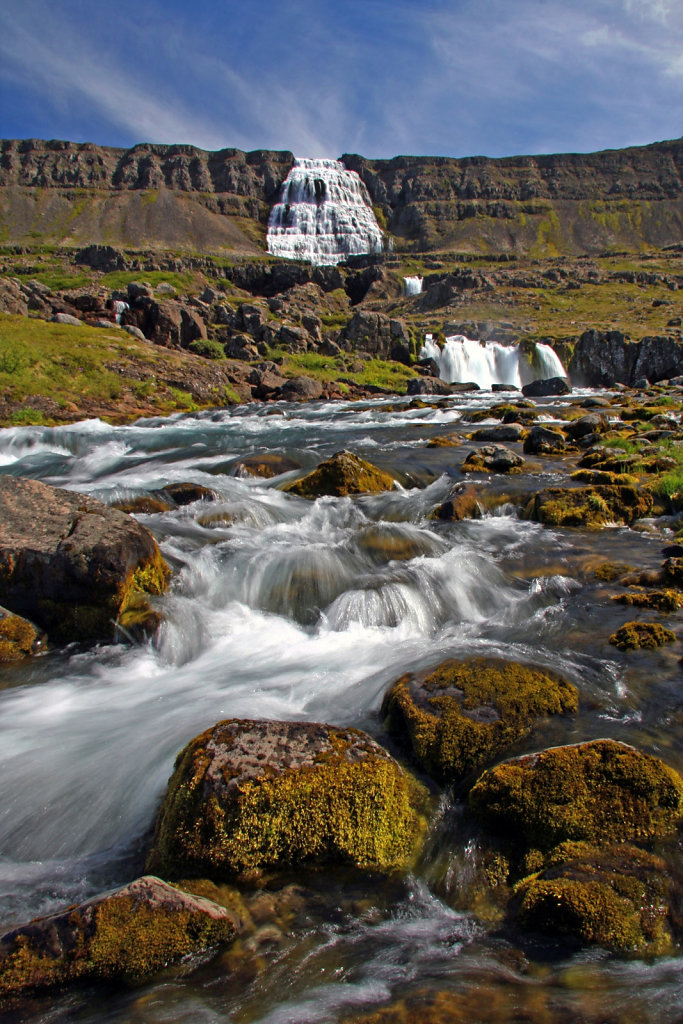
column 547, row 387
column 493, row 458
column 301, row 389
column 171, row 324
column 342, row 474
column 248, row 796
column 125, row 935
column 543, row 441
column 600, row 791
column 72, row 565
column 457, row 717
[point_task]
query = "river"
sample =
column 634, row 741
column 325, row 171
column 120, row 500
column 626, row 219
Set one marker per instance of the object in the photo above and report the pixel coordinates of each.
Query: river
column 285, row 609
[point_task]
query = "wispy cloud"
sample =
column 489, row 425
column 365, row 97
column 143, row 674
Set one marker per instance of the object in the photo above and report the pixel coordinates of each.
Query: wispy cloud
column 379, row 77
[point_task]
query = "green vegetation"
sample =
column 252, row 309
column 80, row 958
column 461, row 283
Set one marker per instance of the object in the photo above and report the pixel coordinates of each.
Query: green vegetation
column 461, row 715
column 54, row 372
column 187, row 282
column 207, row 348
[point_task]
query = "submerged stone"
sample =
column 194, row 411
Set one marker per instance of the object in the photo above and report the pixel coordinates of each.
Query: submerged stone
column 248, row 796
column 72, row 565
column 616, row 896
column 660, row 600
column 594, row 792
column 266, row 465
column 342, row 474
column 129, row 934
column 459, row 716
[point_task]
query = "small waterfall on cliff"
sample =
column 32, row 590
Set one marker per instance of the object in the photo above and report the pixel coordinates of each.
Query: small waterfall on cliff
column 413, row 285
column 323, row 215
column 487, row 363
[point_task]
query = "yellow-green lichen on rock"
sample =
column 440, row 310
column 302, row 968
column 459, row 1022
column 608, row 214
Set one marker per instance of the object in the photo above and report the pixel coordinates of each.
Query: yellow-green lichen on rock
column 341, row 475
column 248, row 796
column 457, row 717
column 634, row 635
column 658, row 600
column 19, row 638
column 589, row 506
column 615, row 896
column 128, row 935
column 593, row 792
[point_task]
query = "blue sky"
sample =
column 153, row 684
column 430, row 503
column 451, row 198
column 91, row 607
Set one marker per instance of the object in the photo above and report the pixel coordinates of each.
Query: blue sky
column 324, row 77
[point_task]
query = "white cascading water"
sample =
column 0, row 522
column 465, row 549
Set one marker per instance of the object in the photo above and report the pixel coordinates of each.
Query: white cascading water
column 487, row 363
column 413, row 285
column 323, row 215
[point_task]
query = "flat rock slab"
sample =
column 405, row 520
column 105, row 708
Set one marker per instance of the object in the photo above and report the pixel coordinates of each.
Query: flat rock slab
column 250, row 795
column 69, row 563
column 130, row 933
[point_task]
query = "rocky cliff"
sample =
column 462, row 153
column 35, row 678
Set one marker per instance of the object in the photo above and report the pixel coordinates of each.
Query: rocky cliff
column 184, row 197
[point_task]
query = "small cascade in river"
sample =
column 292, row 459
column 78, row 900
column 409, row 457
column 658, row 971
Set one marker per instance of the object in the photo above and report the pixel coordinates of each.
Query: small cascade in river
column 487, row 363
column 413, row 285
column 323, row 215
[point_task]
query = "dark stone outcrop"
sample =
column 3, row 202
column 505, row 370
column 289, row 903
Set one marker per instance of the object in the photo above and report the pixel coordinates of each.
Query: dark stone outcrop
column 546, row 388
column 126, row 935
column 377, row 334
column 604, row 358
column 72, row 565
column 247, row 796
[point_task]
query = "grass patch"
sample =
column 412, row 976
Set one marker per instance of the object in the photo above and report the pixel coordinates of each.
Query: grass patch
column 187, row 281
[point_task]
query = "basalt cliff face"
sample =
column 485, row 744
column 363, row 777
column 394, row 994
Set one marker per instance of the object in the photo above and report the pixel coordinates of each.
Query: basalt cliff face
column 183, row 197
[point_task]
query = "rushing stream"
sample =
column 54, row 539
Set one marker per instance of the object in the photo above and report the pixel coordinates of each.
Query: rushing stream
column 283, row 608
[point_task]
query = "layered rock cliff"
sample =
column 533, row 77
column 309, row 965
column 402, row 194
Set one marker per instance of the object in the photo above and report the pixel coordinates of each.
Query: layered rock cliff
column 183, row 197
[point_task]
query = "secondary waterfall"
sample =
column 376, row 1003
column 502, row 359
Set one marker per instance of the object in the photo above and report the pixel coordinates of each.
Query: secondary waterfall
column 487, row 363
column 323, row 215
column 413, row 285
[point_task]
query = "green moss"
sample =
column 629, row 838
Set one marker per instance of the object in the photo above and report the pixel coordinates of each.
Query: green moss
column 592, row 792
column 458, row 717
column 616, row 897
column 658, row 600
column 634, row 635
column 18, row 638
column 598, row 476
column 610, row 571
column 361, row 809
column 342, row 474
column 589, row 506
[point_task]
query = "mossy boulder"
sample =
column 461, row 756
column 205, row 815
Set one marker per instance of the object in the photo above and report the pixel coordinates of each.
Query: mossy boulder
column 72, row 565
column 248, row 796
column 342, row 474
column 659, row 600
column 611, row 571
column 615, row 896
column 266, row 465
column 19, row 638
column 444, row 441
column 459, row 716
column 461, row 503
column 544, row 441
column 588, row 506
column 634, row 635
column 493, row 458
column 593, row 792
column 129, row 934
